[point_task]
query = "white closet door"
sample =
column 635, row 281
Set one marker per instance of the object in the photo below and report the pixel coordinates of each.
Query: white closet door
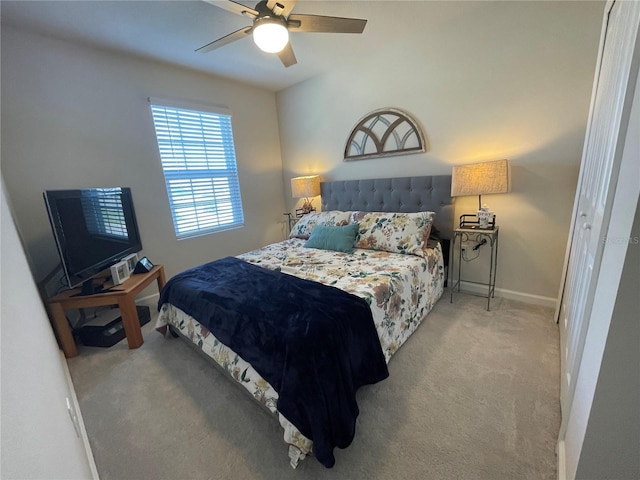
column 598, row 176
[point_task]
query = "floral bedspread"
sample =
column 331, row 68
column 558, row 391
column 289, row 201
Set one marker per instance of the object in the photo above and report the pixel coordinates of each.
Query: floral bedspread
column 400, row 289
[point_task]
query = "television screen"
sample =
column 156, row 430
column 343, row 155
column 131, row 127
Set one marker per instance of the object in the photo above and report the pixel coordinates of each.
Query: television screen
column 93, row 229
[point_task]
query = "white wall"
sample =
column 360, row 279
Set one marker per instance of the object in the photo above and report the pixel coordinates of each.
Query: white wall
column 38, row 437
column 74, row 116
column 499, row 80
column 496, row 80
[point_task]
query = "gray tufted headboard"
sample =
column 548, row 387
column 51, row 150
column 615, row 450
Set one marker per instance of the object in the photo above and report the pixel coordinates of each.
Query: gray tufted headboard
column 406, row 194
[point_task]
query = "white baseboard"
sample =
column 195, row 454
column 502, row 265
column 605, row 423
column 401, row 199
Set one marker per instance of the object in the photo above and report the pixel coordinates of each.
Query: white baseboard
column 562, row 470
column 80, row 421
column 149, row 299
column 480, row 289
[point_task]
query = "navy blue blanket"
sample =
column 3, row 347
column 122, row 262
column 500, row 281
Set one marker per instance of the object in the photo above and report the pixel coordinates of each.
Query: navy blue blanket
column 315, row 344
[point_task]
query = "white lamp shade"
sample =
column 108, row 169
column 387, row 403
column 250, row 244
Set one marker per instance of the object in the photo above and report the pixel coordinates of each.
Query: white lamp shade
column 480, row 178
column 305, row 187
column 270, row 35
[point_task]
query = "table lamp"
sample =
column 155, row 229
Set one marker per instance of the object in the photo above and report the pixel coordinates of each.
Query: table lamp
column 480, row 179
column 305, row 187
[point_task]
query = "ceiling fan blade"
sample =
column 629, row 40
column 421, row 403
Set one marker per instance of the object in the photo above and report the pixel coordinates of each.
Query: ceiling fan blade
column 234, row 7
column 284, row 6
column 321, row 23
column 232, row 37
column 287, row 57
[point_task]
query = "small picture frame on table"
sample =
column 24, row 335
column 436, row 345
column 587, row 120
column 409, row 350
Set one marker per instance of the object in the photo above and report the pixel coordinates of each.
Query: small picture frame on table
column 131, row 260
column 120, row 272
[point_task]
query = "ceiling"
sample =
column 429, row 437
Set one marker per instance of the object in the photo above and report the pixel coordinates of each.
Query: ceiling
column 171, row 31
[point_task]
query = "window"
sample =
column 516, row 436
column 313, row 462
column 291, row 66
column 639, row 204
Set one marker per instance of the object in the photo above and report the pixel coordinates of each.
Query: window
column 199, row 165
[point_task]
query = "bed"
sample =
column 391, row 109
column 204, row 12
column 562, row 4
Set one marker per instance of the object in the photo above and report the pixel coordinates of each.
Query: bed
column 385, row 284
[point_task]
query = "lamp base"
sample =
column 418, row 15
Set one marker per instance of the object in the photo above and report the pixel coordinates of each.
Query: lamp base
column 471, row 221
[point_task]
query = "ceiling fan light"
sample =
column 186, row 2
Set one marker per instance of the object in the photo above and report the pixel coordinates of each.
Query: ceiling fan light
column 270, row 35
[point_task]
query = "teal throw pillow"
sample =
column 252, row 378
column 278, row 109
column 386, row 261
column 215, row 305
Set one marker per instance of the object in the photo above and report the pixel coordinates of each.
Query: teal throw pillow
column 339, row 239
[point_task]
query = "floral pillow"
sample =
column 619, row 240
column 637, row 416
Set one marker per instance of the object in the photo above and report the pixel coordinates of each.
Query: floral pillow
column 405, row 233
column 331, row 218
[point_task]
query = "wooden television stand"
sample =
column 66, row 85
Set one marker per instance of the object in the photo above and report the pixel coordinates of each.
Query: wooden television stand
column 123, row 295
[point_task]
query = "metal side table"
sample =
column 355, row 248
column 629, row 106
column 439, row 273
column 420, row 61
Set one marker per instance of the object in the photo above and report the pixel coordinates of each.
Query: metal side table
column 463, row 235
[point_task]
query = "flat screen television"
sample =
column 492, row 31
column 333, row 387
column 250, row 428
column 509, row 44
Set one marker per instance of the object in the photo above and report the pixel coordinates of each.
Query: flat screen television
column 93, row 229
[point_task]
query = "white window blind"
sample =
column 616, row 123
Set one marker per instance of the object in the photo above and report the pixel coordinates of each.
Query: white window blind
column 199, row 164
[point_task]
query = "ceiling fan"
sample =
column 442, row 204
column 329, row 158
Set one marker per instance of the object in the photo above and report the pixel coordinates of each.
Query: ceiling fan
column 272, row 22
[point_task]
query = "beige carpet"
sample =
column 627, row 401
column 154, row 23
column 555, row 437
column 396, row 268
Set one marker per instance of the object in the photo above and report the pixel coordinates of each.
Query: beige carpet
column 472, row 395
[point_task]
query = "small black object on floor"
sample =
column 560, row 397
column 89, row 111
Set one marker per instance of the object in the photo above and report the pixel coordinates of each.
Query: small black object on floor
column 111, row 333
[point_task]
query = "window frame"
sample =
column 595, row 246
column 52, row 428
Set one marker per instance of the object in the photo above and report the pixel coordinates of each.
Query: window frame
column 201, row 174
